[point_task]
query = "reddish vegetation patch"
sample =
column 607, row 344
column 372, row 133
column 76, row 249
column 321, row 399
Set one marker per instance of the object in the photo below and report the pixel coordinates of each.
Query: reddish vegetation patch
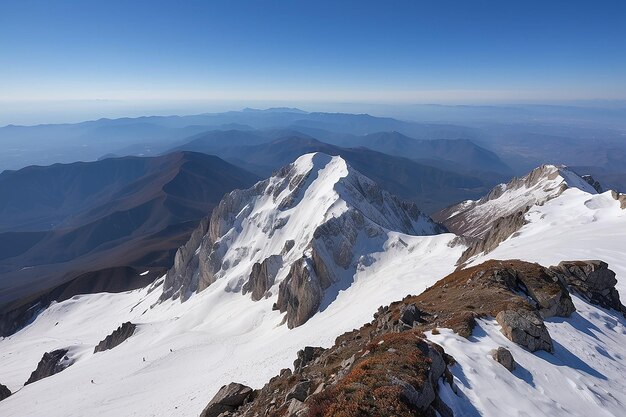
column 366, row 390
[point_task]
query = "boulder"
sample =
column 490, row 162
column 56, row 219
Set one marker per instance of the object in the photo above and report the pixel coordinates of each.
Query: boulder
column 592, row 280
column 504, row 357
column 122, row 333
column 526, row 328
column 4, row 392
column 296, row 408
column 300, row 391
column 51, row 363
column 411, row 314
column 305, row 356
column 228, row 398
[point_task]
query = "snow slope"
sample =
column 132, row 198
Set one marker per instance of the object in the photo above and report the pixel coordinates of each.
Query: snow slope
column 218, row 335
column 583, row 377
column 474, row 218
column 577, row 225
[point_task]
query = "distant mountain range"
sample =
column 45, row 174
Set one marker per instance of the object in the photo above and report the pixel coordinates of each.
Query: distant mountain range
column 109, row 225
column 439, row 178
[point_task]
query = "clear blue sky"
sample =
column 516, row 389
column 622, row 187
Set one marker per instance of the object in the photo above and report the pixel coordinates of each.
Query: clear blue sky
column 379, row 51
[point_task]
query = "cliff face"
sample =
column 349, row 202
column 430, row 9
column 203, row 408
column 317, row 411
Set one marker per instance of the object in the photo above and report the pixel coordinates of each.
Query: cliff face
column 293, row 236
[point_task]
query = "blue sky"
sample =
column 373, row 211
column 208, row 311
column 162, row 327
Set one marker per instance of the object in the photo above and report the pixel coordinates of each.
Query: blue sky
column 318, row 51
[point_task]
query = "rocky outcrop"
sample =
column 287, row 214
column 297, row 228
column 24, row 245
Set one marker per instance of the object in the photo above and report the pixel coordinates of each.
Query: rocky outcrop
column 502, row 228
column 4, row 392
column 593, row 280
column 228, row 398
column 300, row 294
column 504, row 357
column 519, row 294
column 182, row 277
column 262, row 277
column 526, row 328
column 487, row 222
column 305, row 356
column 119, row 335
column 51, row 363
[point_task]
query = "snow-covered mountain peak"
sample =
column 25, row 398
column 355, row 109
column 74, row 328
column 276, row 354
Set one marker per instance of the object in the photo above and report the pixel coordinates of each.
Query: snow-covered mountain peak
column 308, row 227
column 474, row 218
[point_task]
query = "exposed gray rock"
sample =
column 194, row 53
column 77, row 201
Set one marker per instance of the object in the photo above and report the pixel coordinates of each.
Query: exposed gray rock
column 300, row 294
column 550, row 295
column 182, row 278
column 228, row 398
column 4, row 392
column 300, row 391
column 526, row 328
column 501, row 229
column 51, row 363
column 469, row 218
column 411, row 314
column 419, row 399
column 305, row 356
column 122, row 333
column 504, row 357
column 297, row 408
column 289, row 244
column 423, row 399
column 593, row 280
column 262, row 276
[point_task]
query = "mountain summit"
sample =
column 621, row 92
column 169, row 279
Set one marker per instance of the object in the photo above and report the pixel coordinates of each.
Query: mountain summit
column 306, row 229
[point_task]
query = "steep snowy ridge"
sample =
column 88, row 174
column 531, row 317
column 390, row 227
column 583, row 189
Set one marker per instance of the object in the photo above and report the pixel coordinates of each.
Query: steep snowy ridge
column 474, row 218
column 316, row 217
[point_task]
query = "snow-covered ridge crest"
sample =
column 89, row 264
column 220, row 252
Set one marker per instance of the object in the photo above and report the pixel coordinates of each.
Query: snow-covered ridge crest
column 475, row 218
column 308, row 227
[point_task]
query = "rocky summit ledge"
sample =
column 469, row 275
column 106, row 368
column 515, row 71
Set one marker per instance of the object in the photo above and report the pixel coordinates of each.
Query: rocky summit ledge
column 389, row 367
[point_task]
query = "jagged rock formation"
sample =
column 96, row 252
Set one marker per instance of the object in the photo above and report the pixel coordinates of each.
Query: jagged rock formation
column 487, row 222
column 51, row 363
column 390, row 360
column 228, row 398
column 300, row 294
column 262, row 277
column 122, row 333
column 4, row 392
column 293, row 236
column 593, row 280
column 504, row 357
column 182, row 275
